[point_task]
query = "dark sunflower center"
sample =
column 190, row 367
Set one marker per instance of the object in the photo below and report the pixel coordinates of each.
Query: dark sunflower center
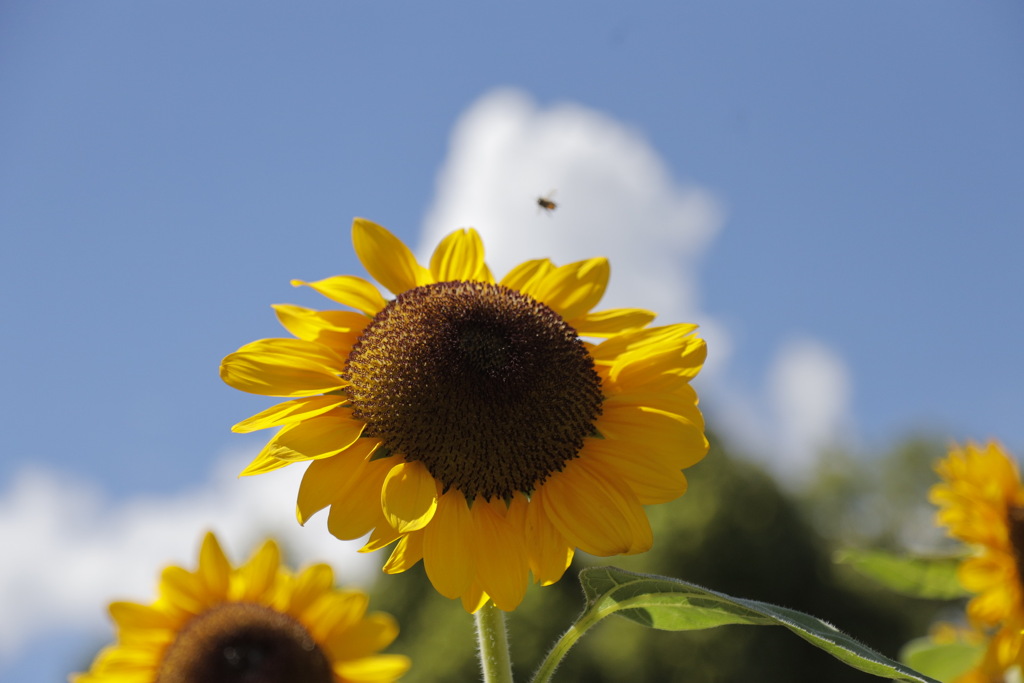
column 1015, row 519
column 240, row 642
column 490, row 389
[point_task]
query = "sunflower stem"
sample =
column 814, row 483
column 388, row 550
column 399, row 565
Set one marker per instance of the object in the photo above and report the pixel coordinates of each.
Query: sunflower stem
column 493, row 639
column 561, row 648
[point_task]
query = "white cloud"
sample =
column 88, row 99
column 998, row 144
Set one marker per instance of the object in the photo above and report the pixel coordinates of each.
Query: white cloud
column 616, row 197
column 69, row 551
column 802, row 409
column 809, row 388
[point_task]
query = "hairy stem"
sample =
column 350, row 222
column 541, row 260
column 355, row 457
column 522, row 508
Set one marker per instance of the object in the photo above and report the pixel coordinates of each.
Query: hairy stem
column 493, row 639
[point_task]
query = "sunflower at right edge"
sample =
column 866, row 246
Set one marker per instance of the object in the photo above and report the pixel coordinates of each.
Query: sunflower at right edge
column 486, row 427
column 981, row 502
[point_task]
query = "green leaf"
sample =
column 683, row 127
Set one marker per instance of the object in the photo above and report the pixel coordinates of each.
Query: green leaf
column 920, row 577
column 674, row 605
column 944, row 661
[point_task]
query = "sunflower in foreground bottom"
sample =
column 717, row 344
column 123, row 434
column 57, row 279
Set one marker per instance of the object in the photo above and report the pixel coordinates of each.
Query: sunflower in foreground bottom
column 981, row 502
column 470, row 421
column 258, row 622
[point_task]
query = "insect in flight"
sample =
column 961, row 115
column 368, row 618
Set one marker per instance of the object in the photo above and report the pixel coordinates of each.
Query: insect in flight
column 547, row 203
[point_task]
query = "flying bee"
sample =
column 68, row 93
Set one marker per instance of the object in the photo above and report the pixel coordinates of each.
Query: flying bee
column 547, row 203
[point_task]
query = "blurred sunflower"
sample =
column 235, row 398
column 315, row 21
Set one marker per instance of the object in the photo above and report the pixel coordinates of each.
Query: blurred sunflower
column 258, row 623
column 467, row 420
column 981, row 502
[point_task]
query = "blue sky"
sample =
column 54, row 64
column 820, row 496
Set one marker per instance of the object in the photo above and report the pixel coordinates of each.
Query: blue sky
column 833, row 191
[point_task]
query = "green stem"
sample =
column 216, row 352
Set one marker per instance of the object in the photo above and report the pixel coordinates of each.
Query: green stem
column 568, row 639
column 493, row 638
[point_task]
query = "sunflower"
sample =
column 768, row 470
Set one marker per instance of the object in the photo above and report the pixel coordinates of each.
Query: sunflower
column 981, row 502
column 489, row 428
column 258, row 622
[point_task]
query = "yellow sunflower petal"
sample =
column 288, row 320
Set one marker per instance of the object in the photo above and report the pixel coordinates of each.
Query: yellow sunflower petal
column 358, row 510
column 484, row 274
column 130, row 616
column 651, row 367
column 673, row 378
column 596, row 513
column 474, row 598
column 642, row 427
column 262, row 464
column 310, row 584
column 150, row 638
column 989, row 608
column 524, row 277
column 335, row 613
column 548, row 552
column 611, row 322
column 377, row 669
column 386, row 258
column 277, row 376
column 122, row 665
column 459, row 256
column 329, row 479
column 283, row 367
column 502, row 566
column 572, row 290
column 406, row 554
column 682, row 402
column 1004, row 651
column 381, row 537
column 623, row 348
column 409, row 497
column 317, row 437
column 214, row 566
column 290, row 411
column 183, row 589
column 373, row 632
column 348, row 290
column 337, row 330
column 984, row 573
column 652, row 480
column 985, row 476
column 254, row 581
column 297, row 349
column 447, row 557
